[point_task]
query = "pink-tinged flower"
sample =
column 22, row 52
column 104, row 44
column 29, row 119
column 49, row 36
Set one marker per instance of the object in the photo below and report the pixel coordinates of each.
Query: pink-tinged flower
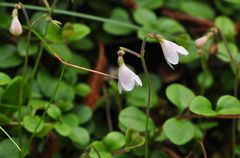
column 171, row 52
column 16, row 27
column 200, row 42
column 127, row 79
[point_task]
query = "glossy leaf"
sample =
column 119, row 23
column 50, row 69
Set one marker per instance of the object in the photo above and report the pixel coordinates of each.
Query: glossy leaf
column 30, row 123
column 74, row 32
column 80, row 136
column 132, row 117
column 205, row 79
column 226, row 25
column 9, row 57
column 118, row 14
column 114, row 140
column 4, row 79
column 133, row 140
column 62, row 128
column 202, row 106
column 179, row 131
column 22, row 48
column 179, row 95
column 144, row 16
column 228, row 105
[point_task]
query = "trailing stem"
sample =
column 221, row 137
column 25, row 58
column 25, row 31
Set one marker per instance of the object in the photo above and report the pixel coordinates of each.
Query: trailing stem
column 237, row 67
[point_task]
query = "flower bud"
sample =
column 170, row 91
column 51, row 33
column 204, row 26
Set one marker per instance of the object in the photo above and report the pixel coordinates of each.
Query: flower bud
column 200, row 42
column 16, row 27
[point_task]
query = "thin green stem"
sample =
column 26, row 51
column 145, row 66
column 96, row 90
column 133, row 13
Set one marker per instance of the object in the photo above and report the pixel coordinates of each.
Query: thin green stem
column 142, row 52
column 99, row 156
column 48, row 105
column 10, row 138
column 90, row 17
column 24, row 72
column 130, row 51
column 66, row 63
column 235, row 91
column 41, row 48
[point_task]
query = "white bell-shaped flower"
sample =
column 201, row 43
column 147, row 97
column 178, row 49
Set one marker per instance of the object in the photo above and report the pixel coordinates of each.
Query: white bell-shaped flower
column 127, row 79
column 171, row 52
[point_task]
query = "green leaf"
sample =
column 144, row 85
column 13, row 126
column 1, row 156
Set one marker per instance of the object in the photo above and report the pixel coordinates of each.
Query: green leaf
column 22, row 48
column 82, row 89
column 222, row 51
column 62, row 50
column 12, row 92
column 7, row 149
column 9, row 57
column 114, row 140
column 84, row 113
column 163, row 25
column 202, row 106
column 226, row 25
column 48, row 85
column 4, row 79
column 179, row 95
column 131, row 117
column 71, row 120
column 150, row 4
column 139, row 97
column 228, row 105
column 205, row 79
column 179, row 131
column 80, row 136
column 83, row 44
column 5, row 20
column 118, row 14
column 4, row 119
column 30, row 123
column 47, row 128
column 195, row 8
column 133, row 140
column 74, row 32
column 62, row 128
column 54, row 112
column 144, row 16
column 101, row 149
column 38, row 104
column 53, row 33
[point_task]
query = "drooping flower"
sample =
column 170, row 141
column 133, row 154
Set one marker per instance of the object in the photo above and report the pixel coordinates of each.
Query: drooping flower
column 127, row 79
column 171, row 52
column 16, row 27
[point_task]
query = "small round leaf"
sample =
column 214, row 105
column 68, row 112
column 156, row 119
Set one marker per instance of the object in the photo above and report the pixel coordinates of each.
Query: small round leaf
column 179, row 131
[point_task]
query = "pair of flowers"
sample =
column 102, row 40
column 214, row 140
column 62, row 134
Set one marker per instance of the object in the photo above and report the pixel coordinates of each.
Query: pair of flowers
column 127, row 79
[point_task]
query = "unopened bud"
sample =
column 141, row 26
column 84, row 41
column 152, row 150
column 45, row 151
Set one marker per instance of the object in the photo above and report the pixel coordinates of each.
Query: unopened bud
column 200, row 42
column 16, row 27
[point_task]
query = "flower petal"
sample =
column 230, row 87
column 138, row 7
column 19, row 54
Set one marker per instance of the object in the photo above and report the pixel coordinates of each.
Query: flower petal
column 181, row 50
column 170, row 52
column 126, row 78
column 119, row 87
column 137, row 80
